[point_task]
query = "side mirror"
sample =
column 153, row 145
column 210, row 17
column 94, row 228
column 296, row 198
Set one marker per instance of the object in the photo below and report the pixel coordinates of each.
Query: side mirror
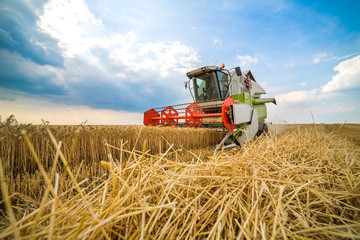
column 238, row 71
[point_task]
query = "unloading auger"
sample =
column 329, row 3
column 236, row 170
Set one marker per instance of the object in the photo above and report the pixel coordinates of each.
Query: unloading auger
column 222, row 99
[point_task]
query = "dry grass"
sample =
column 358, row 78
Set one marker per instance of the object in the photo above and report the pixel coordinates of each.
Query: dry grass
column 303, row 184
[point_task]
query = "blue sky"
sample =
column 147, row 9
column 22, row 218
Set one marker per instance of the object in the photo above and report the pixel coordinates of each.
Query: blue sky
column 107, row 62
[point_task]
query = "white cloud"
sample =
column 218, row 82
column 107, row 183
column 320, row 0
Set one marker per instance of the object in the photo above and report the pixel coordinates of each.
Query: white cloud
column 296, row 97
column 80, row 34
column 290, row 65
column 346, row 56
column 347, row 78
column 167, row 56
column 298, row 107
column 322, row 113
column 121, row 75
column 35, row 73
column 28, row 110
column 319, row 57
column 340, row 107
column 122, row 46
column 324, row 57
column 328, row 95
column 72, row 22
column 217, row 41
column 246, row 61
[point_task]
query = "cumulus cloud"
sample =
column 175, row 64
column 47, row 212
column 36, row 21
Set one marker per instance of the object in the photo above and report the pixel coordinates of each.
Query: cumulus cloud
column 347, row 78
column 20, row 34
column 81, row 34
column 299, row 104
column 320, row 101
column 22, row 74
column 72, row 23
column 167, row 56
column 296, row 97
column 100, row 69
column 246, row 61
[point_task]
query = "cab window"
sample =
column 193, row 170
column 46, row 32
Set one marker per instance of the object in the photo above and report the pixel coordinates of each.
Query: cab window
column 223, row 83
column 206, row 86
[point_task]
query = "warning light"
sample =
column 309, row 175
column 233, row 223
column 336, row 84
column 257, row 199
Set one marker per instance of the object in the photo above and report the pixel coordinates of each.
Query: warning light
column 223, row 65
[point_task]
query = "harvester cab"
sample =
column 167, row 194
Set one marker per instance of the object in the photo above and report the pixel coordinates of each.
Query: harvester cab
column 222, row 98
column 210, row 84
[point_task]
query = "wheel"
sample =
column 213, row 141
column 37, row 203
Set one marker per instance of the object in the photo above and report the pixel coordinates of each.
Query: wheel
column 265, row 130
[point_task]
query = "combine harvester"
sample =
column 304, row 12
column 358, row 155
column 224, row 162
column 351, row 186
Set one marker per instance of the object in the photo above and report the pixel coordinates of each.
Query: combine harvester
column 222, row 98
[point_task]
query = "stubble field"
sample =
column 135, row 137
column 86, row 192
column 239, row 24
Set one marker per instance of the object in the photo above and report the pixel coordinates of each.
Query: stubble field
column 133, row 182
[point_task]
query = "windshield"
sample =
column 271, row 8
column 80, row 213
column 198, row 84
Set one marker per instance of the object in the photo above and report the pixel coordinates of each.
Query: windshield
column 210, row 86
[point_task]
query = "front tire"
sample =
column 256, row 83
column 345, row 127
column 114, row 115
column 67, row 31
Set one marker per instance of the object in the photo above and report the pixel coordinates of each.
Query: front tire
column 264, row 130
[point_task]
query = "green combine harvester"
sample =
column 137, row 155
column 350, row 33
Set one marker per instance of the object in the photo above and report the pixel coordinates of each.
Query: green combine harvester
column 222, row 99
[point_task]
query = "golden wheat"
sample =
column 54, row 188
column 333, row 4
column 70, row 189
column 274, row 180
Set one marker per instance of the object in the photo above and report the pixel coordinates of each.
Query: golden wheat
column 302, row 184
column 86, row 146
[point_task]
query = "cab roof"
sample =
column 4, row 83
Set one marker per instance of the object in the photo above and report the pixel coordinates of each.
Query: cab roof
column 201, row 70
column 206, row 69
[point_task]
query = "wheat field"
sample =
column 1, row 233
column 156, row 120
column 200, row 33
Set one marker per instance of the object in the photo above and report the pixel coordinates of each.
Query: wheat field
column 133, row 182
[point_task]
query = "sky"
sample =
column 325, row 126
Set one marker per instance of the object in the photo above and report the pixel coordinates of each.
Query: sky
column 107, row 62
